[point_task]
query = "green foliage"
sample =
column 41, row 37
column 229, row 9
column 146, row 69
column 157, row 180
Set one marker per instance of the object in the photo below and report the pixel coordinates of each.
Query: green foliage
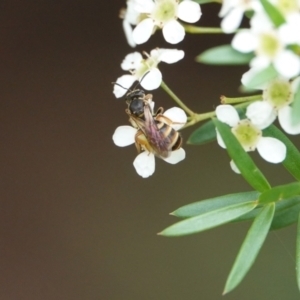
column 250, row 247
column 243, row 161
column 209, row 220
column 262, row 77
column 224, row 55
column 274, row 14
column 298, row 253
column 204, row 134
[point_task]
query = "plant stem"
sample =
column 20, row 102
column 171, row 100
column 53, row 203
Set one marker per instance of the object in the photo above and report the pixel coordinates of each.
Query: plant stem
column 176, row 99
column 197, row 29
column 198, row 118
column 226, row 100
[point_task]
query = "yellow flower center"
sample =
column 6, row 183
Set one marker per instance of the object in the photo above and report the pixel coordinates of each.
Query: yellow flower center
column 269, row 45
column 164, row 11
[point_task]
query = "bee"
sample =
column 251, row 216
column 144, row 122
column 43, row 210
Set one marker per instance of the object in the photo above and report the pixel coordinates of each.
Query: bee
column 155, row 133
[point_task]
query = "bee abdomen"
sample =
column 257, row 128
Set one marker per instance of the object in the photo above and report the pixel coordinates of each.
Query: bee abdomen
column 171, row 134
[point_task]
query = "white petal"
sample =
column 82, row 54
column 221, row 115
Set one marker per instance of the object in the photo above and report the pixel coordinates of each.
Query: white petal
column 168, row 56
column 295, row 84
column 234, row 168
column 128, row 33
column 227, row 114
column 271, row 149
column 124, row 136
column 261, row 114
column 287, row 64
column 173, row 32
column 144, row 164
column 232, row 20
column 244, row 41
column 132, row 61
column 126, row 82
column 177, row 115
column 152, row 80
column 144, row 6
column 175, row 157
column 189, row 11
column 285, row 120
column 220, row 140
column 143, row 31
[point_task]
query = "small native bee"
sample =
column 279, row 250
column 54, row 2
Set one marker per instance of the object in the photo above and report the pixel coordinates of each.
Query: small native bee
column 155, row 133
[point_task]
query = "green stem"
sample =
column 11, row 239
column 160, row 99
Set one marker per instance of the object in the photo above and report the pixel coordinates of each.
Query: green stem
column 176, row 99
column 198, row 118
column 226, row 100
column 197, row 29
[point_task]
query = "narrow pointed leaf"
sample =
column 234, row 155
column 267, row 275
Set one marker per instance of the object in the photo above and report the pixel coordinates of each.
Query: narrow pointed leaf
column 243, row 161
column 250, row 247
column 208, row 220
column 274, row 14
column 204, row 134
column 204, row 206
column 298, row 253
column 262, row 77
column 224, row 55
column 292, row 159
column 286, row 217
column 280, row 192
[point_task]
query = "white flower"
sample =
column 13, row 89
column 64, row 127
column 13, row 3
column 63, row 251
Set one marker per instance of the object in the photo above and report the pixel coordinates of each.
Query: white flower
column 163, row 14
column 144, row 163
column 130, row 17
column 250, row 136
column 277, row 97
column 232, row 12
column 269, row 46
column 138, row 67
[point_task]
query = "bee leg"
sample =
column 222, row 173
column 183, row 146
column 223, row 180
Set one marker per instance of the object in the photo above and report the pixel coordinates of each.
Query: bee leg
column 166, row 120
column 141, row 142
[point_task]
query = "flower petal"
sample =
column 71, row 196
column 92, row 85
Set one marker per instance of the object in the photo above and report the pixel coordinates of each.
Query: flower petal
column 261, row 114
column 272, row 150
column 132, row 61
column 177, row 115
column 232, row 20
column 124, row 136
column 173, row 32
column 126, row 82
column 227, row 114
column 244, row 41
column 144, row 6
column 168, row 56
column 234, row 168
column 220, row 140
column 175, row 157
column 128, row 33
column 287, row 64
column 152, row 80
column 144, row 164
column 285, row 120
column 189, row 11
column 143, row 31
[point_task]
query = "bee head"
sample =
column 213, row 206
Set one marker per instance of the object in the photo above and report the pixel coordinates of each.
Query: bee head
column 135, row 101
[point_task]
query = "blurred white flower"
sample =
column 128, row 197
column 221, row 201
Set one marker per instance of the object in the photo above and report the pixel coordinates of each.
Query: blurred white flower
column 138, row 67
column 277, row 97
column 250, row 136
column 144, row 163
column 232, row 12
column 163, row 14
column 269, row 45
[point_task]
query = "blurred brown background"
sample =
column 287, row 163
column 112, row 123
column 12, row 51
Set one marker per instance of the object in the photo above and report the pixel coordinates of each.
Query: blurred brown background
column 76, row 221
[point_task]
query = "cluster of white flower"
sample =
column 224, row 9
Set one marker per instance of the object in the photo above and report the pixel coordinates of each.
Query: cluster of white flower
column 274, row 44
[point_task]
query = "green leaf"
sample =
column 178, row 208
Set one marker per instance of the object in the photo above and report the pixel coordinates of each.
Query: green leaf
column 204, row 206
column 205, row 1
column 292, row 159
column 274, row 14
column 296, row 106
column 298, row 253
column 208, row 220
column 243, row 161
column 250, row 247
column 288, row 215
column 224, row 55
column 204, row 134
column 262, row 77
column 280, row 192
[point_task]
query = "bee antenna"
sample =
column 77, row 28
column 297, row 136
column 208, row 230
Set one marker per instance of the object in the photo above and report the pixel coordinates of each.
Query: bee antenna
column 120, row 86
column 141, row 80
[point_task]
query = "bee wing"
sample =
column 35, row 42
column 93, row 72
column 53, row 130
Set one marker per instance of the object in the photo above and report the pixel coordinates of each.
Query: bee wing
column 155, row 136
